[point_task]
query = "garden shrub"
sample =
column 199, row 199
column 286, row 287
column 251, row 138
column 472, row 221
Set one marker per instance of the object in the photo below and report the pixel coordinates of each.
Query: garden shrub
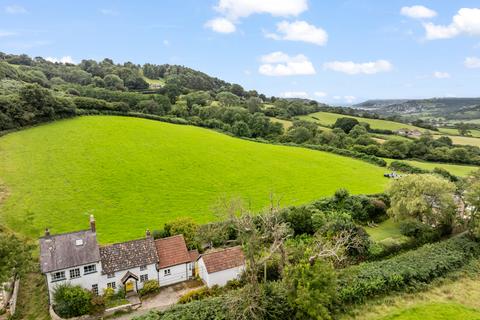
column 149, row 287
column 419, row 231
column 198, row 294
column 71, row 301
column 409, row 270
column 97, row 304
column 207, row 309
column 405, row 167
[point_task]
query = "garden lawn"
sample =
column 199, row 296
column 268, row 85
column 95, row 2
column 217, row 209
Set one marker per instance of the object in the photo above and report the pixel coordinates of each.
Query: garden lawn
column 385, row 230
column 134, row 174
column 328, row 119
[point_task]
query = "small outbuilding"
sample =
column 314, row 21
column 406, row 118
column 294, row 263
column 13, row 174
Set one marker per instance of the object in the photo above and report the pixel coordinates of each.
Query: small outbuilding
column 174, row 260
column 219, row 267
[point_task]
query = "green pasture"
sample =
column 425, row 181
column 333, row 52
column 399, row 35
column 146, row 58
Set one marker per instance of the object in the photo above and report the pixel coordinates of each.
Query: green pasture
column 134, row 174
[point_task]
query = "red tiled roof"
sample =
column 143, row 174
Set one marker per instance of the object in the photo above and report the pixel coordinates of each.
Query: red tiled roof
column 172, row 251
column 223, row 259
column 193, row 255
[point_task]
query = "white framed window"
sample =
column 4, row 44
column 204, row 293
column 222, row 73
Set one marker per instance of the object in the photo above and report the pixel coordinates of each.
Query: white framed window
column 143, row 277
column 143, row 268
column 89, row 269
column 75, row 273
column 112, row 285
column 95, row 289
column 167, row 272
column 111, row 275
column 58, row 276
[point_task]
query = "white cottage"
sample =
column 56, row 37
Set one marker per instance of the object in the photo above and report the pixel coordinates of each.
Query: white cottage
column 219, row 267
column 76, row 258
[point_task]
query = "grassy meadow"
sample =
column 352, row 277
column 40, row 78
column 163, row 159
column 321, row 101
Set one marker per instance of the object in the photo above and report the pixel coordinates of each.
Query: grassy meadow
column 328, row 119
column 134, row 174
column 456, row 169
column 455, row 298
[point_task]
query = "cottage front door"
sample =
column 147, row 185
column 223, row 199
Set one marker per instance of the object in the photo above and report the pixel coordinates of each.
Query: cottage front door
column 129, row 287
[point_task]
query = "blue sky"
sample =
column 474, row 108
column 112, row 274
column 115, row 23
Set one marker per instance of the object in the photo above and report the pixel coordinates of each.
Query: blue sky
column 330, row 50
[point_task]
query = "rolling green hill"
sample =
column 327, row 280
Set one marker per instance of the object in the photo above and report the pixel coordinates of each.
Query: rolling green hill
column 327, row 119
column 135, row 174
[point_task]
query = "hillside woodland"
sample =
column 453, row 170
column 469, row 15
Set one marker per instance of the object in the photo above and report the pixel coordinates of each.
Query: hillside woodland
column 34, row 91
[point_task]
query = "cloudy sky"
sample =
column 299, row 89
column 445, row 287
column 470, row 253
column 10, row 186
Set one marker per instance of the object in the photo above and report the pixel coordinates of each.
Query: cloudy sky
column 335, row 51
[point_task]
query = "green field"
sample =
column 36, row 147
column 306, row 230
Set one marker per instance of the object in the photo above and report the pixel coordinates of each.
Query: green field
column 436, row 311
column 464, row 140
column 451, row 131
column 285, row 123
column 327, row 119
column 455, row 169
column 457, row 298
column 135, row 174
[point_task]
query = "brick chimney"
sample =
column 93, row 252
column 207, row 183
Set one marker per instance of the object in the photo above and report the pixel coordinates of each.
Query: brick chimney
column 148, row 234
column 47, row 232
column 92, row 223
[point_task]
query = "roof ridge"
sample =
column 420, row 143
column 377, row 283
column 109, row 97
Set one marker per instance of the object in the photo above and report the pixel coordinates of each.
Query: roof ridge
column 169, row 237
column 65, row 233
column 220, row 250
column 129, row 241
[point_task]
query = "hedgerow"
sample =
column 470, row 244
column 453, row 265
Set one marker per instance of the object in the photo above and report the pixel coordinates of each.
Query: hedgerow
column 410, row 270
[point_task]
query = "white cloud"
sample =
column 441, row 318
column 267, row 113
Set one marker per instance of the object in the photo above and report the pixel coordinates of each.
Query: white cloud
column 418, row 12
column 221, row 25
column 466, row 21
column 65, row 59
column 299, row 31
column 441, row 75
column 281, row 64
column 15, row 9
column 320, row 94
column 350, row 67
column 235, row 9
column 472, row 62
column 347, row 99
column 295, row 94
column 6, row 33
column 109, row 12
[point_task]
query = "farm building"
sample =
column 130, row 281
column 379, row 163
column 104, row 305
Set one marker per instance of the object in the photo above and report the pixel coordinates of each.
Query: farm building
column 218, row 267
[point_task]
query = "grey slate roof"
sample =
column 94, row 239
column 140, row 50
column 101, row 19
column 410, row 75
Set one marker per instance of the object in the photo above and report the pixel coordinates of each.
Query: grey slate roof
column 127, row 255
column 61, row 251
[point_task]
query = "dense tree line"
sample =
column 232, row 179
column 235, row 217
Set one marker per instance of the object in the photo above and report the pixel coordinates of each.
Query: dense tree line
column 350, row 134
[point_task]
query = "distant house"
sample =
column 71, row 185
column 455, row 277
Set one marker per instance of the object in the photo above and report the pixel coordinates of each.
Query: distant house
column 175, row 262
column 415, row 133
column 217, row 268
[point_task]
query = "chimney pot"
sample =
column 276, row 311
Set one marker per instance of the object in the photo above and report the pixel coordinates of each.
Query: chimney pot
column 92, row 223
